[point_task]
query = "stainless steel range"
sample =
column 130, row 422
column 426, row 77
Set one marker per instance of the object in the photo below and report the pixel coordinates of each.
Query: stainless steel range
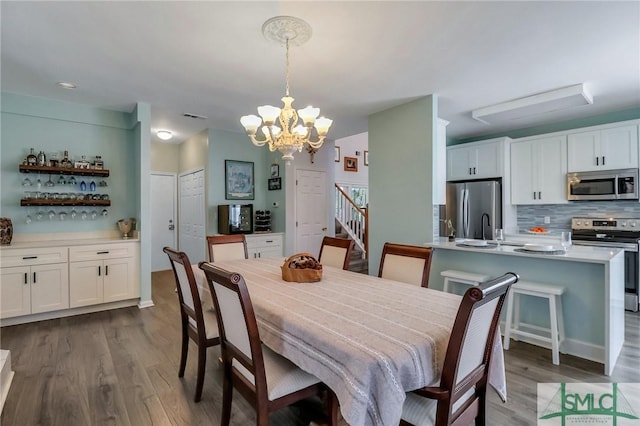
column 621, row 233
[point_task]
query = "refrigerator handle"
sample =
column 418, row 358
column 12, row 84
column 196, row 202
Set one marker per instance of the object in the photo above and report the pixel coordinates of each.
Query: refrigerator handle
column 465, row 212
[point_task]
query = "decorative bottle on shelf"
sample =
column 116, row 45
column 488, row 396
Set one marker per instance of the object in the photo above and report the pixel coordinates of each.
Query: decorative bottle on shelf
column 99, row 164
column 83, row 186
column 65, row 161
column 42, row 159
column 92, row 186
column 83, row 164
column 32, row 160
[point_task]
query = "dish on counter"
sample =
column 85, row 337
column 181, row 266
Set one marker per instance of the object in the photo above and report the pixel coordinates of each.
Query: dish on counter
column 474, row 243
column 538, row 247
column 538, row 230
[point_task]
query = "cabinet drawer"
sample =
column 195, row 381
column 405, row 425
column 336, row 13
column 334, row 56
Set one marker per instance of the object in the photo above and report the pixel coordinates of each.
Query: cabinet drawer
column 258, row 241
column 33, row 256
column 100, row 252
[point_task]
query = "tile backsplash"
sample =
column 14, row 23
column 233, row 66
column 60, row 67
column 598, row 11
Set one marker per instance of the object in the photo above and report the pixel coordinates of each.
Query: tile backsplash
column 560, row 214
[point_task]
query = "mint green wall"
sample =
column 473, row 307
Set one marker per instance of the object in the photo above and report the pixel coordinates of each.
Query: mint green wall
column 225, row 145
column 141, row 187
column 400, row 176
column 54, row 126
column 612, row 117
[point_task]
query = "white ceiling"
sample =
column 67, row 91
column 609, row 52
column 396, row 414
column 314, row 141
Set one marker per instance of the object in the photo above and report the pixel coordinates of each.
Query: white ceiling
column 210, row 58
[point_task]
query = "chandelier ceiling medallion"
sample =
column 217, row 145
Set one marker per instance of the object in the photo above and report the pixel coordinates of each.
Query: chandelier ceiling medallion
column 280, row 128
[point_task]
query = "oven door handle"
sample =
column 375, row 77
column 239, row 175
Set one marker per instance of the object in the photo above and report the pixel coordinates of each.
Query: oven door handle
column 625, row 246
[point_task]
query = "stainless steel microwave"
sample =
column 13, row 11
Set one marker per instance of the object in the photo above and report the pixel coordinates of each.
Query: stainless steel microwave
column 603, row 185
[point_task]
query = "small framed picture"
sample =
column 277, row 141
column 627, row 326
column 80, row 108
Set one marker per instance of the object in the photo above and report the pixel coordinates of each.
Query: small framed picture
column 275, row 170
column 336, row 155
column 275, row 184
column 366, row 158
column 350, row 164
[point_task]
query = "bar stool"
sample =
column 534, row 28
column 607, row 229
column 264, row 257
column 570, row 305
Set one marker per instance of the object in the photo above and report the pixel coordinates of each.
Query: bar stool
column 468, row 278
column 553, row 295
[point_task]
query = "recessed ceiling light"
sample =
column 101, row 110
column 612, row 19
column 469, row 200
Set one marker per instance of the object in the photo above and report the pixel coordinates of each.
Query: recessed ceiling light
column 66, row 85
column 165, row 135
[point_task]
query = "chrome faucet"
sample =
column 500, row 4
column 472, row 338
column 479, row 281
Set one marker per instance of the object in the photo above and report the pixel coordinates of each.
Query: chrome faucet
column 482, row 223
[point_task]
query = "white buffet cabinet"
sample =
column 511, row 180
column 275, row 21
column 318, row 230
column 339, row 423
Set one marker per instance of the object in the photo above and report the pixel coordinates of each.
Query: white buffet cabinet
column 264, row 245
column 51, row 279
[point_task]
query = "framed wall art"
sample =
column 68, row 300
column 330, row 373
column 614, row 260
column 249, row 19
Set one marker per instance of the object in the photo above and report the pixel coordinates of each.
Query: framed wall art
column 350, row 164
column 275, row 170
column 238, row 178
column 275, row 184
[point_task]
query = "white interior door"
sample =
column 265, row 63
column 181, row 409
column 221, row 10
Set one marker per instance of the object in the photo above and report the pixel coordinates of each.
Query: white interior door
column 164, row 198
column 311, row 210
column 191, row 215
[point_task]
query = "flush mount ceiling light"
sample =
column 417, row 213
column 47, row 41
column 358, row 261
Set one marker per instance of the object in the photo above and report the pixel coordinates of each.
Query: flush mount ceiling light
column 289, row 136
column 66, row 85
column 554, row 100
column 165, row 135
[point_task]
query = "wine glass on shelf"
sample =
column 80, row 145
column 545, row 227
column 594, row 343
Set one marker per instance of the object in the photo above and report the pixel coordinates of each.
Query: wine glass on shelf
column 499, row 236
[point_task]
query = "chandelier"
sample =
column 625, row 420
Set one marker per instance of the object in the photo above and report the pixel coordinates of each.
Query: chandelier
column 279, row 126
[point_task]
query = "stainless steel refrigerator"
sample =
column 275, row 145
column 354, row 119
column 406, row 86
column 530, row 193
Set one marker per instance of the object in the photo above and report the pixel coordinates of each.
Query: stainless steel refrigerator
column 475, row 208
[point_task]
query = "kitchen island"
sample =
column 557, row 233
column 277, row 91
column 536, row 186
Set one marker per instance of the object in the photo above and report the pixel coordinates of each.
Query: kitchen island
column 593, row 302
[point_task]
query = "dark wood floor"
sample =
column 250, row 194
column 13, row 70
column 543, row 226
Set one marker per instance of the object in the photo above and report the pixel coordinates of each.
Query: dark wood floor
column 120, row 368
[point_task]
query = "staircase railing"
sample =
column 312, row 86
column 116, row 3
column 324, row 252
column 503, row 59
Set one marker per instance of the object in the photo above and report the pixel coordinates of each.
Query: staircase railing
column 353, row 219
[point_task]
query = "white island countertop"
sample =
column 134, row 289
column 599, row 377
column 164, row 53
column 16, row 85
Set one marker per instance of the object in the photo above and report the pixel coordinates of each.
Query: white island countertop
column 592, row 279
column 575, row 253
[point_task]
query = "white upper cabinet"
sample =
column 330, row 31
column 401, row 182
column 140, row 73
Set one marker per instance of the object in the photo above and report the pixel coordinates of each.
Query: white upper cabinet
column 606, row 149
column 477, row 160
column 538, row 171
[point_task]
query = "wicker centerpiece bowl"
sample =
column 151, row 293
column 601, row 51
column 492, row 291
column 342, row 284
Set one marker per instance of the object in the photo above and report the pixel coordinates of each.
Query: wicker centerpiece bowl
column 302, row 268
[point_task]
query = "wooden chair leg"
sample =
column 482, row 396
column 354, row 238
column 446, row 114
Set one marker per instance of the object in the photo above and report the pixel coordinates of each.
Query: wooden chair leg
column 202, row 362
column 227, row 396
column 185, row 349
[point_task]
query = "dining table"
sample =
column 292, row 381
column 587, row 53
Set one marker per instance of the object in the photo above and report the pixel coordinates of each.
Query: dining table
column 369, row 339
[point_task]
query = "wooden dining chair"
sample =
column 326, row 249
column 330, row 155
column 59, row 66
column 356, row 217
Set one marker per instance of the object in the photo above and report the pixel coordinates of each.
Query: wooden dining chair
column 405, row 263
column 336, row 252
column 227, row 247
column 460, row 396
column 198, row 324
column 265, row 379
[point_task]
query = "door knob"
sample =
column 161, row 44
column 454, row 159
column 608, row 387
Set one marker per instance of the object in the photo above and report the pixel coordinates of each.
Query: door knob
column 324, row 229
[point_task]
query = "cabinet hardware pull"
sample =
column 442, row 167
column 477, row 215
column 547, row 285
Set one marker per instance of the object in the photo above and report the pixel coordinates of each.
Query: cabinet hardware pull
column 29, row 257
column 597, row 161
column 34, row 277
column 269, row 241
column 106, row 270
column 26, row 278
column 474, row 170
column 99, row 270
column 603, row 160
column 258, row 254
column 539, row 195
column 103, row 252
column 470, row 170
column 534, row 195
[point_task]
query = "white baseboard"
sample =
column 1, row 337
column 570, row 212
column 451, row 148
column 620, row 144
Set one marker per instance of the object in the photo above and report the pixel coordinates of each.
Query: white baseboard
column 68, row 312
column 145, row 304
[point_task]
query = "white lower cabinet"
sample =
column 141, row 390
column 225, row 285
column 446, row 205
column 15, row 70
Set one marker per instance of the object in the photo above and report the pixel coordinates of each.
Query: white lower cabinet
column 109, row 275
column 33, row 280
column 264, row 245
column 33, row 289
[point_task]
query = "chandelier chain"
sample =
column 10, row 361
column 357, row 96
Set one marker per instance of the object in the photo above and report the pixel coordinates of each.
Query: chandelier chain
column 287, row 67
